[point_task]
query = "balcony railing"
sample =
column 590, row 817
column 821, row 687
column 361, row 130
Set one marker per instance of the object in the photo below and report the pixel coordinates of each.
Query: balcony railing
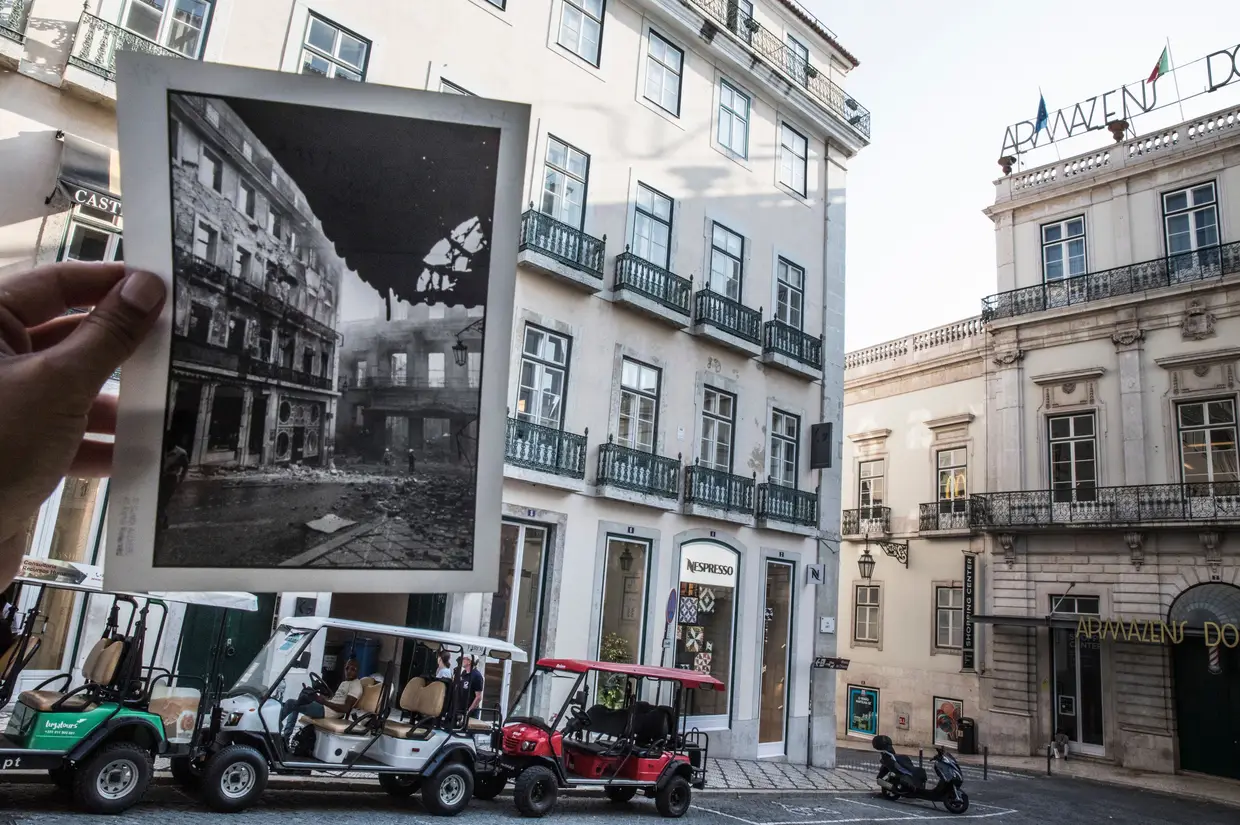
column 566, row 244
column 727, row 315
column 536, row 447
column 719, row 489
column 209, row 355
column 782, row 339
column 289, row 375
column 97, row 41
column 949, row 514
column 787, row 504
column 14, row 14
column 638, row 471
column 1106, row 506
column 1187, row 268
column 866, row 521
column 654, row 282
column 772, row 47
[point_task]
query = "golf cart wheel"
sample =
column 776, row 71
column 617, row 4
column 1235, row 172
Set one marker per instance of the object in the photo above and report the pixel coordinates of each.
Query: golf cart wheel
column 62, row 777
column 233, row 778
column 113, row 779
column 673, row 799
column 185, row 773
column 448, row 790
column 487, row 786
column 535, row 791
column 400, row 784
column 957, row 806
column 620, row 794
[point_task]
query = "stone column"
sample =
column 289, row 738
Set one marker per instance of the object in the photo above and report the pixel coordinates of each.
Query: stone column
column 1128, row 340
column 243, row 438
column 206, row 402
column 1007, row 405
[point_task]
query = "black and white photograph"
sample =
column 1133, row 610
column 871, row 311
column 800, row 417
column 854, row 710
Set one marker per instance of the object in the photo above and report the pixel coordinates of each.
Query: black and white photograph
column 332, row 279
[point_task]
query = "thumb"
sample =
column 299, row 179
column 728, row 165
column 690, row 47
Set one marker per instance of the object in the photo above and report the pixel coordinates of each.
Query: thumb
column 111, row 332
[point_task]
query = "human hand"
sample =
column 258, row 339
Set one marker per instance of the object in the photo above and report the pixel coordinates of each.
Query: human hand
column 52, row 367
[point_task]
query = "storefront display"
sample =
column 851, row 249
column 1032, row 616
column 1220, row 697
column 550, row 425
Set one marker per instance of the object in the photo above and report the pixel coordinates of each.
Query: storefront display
column 776, row 647
column 947, row 713
column 862, row 711
column 706, row 624
column 622, row 630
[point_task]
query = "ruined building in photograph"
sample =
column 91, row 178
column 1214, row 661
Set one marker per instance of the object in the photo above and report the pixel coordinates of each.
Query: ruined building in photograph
column 256, row 302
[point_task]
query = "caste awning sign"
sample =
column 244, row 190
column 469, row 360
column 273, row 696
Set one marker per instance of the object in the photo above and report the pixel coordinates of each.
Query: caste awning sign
column 90, row 174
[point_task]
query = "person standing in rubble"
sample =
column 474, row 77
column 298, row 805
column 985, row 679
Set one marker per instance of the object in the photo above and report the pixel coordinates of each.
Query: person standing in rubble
column 413, row 461
column 175, row 466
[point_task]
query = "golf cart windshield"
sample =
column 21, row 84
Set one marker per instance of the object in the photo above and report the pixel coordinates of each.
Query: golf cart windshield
column 543, row 696
column 268, row 665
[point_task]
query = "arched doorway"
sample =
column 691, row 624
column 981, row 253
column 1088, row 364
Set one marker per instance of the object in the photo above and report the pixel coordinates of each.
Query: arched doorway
column 1207, row 687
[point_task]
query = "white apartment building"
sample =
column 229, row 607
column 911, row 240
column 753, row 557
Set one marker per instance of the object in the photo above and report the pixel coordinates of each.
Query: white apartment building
column 679, row 308
column 1099, row 410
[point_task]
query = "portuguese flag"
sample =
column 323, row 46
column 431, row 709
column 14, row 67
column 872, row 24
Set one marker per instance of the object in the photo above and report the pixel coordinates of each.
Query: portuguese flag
column 1164, row 66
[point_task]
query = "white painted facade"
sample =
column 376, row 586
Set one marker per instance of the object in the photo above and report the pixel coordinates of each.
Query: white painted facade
column 648, row 125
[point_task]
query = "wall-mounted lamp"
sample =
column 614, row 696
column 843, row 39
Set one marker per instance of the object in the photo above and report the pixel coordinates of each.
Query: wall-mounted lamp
column 897, row 550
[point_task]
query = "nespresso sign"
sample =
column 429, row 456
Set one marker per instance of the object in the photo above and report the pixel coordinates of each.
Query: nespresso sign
column 709, row 564
column 104, row 203
column 707, row 567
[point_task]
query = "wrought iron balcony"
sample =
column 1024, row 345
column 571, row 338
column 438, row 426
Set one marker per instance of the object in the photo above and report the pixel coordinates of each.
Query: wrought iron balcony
column 258, row 368
column 772, row 47
column 787, row 504
column 707, row 487
column 209, row 355
column 1190, row 267
column 567, row 244
column 866, row 521
column 786, row 340
column 549, row 450
column 654, row 282
column 14, row 14
column 1106, row 506
column 638, row 471
column 97, row 41
column 729, row 316
column 940, row 516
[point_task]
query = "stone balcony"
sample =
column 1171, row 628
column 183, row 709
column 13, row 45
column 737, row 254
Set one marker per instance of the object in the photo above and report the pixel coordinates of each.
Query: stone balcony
column 786, row 509
column 718, row 494
column 865, row 521
column 727, row 322
column 792, row 350
column 91, row 70
column 949, row 517
column 1092, row 508
column 638, row 477
column 960, row 339
column 561, row 251
column 545, row 455
column 652, row 290
column 14, row 15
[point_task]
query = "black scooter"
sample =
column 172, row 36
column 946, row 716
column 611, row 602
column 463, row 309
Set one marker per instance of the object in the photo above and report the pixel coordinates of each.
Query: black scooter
column 899, row 778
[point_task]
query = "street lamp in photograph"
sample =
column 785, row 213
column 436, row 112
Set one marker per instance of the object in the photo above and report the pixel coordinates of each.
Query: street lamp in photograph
column 460, row 350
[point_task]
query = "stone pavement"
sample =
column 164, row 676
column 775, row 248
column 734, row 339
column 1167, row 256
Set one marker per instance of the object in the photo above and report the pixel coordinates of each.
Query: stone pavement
column 388, row 543
column 767, row 775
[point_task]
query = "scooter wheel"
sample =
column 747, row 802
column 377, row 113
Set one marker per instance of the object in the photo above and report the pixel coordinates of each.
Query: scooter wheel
column 957, row 806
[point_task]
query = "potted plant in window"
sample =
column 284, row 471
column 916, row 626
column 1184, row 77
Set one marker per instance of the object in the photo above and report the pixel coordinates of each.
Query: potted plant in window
column 810, row 71
column 615, row 648
column 752, row 24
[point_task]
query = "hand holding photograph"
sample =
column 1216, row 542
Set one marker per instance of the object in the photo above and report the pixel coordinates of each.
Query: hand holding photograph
column 317, row 409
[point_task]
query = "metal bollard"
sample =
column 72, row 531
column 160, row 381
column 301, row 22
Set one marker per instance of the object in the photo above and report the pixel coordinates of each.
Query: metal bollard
column 986, row 762
column 1048, row 760
column 921, row 758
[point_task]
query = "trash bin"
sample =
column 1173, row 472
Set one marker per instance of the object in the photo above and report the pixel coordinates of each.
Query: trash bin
column 366, row 651
column 967, row 742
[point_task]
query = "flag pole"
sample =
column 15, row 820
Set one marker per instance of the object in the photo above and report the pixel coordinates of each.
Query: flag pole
column 1175, row 79
column 1048, row 126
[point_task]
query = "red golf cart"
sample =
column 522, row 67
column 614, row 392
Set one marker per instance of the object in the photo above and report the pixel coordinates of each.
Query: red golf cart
column 628, row 741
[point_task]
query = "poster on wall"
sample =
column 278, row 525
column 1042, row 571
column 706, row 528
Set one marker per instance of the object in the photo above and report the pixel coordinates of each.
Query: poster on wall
column 862, row 710
column 320, row 407
column 947, row 713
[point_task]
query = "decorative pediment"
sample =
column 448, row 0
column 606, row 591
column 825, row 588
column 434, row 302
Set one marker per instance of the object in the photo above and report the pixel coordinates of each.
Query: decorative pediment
column 1069, row 388
column 870, row 441
column 1197, row 372
column 951, row 427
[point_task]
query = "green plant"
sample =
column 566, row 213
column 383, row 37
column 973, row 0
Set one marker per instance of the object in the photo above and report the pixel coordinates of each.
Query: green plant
column 615, row 648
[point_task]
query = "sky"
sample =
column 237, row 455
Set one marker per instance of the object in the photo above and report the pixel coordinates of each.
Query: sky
column 943, row 80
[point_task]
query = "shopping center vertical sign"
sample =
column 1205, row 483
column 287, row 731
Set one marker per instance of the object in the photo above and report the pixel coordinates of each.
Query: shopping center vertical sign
column 968, row 655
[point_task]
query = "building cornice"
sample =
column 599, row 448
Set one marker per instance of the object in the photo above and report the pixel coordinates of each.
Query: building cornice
column 1069, row 376
column 870, row 435
column 950, row 421
column 1199, row 359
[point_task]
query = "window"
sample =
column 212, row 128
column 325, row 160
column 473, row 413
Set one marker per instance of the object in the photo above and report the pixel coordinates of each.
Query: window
column 331, row 51
column 793, row 159
column 733, row 119
column 452, row 89
column 727, row 255
column 581, row 28
column 1191, row 219
column 275, row 223
column 865, row 613
column 206, row 242
column 544, row 374
column 718, row 422
column 871, row 488
column 200, row 318
column 789, row 293
column 652, row 227
column 785, row 436
column 435, row 369
column 85, row 242
column 740, row 13
column 952, row 487
column 797, row 58
column 709, row 575
column 245, row 198
column 639, row 404
column 949, row 617
column 664, row 65
column 1087, row 605
column 174, row 138
column 1208, row 441
column 1074, row 466
column 180, row 26
column 473, row 364
column 564, row 183
column 361, row 373
column 622, row 625
column 242, row 262
column 247, row 151
column 211, row 170
column 400, row 369
column 1063, row 249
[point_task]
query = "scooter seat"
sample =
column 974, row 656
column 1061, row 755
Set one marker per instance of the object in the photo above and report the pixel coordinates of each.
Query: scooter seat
column 906, row 766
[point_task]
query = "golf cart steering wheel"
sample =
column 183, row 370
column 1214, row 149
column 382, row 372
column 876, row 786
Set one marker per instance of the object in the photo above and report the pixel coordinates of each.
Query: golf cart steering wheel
column 580, row 720
column 318, row 685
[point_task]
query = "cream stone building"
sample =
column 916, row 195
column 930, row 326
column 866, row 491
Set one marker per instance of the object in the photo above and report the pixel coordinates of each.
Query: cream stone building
column 679, row 308
column 1099, row 410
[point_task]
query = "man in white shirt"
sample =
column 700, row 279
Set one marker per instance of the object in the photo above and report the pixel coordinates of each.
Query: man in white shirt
column 321, row 707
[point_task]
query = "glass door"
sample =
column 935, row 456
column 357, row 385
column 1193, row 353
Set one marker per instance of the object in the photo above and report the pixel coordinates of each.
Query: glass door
column 516, row 608
column 776, row 649
column 622, row 623
column 1077, row 690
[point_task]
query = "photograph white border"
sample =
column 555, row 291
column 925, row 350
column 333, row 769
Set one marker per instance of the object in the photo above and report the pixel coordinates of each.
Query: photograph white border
column 143, row 85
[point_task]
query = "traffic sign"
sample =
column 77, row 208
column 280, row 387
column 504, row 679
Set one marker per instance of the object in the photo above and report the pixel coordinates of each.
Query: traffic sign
column 672, row 602
column 830, row 663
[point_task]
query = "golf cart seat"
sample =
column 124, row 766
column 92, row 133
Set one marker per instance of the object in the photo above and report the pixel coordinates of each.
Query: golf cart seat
column 424, row 702
column 368, row 705
column 478, row 725
column 98, row 670
column 653, row 728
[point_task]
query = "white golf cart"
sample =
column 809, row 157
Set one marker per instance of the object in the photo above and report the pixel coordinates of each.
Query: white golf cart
column 405, row 727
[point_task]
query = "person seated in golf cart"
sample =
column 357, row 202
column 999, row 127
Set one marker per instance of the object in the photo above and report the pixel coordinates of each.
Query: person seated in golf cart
column 314, row 705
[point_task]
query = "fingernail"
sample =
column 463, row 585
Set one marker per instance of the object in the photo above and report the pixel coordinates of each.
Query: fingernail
column 143, row 291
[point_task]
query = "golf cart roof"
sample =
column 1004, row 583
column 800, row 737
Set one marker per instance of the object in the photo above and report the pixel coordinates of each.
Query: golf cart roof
column 494, row 648
column 686, row 678
column 229, row 601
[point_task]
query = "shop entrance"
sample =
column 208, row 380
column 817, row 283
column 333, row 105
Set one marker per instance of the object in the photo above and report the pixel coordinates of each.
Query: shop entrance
column 776, row 649
column 244, row 635
column 1077, row 690
column 517, row 607
column 1207, row 680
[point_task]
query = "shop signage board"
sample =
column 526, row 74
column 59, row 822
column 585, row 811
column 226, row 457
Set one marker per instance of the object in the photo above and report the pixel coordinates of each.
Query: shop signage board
column 55, row 571
column 831, row 663
column 862, row 710
column 968, row 654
